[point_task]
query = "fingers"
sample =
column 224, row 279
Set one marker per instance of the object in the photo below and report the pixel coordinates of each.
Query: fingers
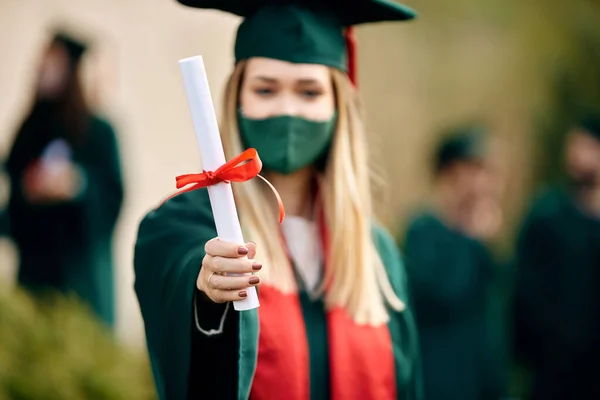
column 226, row 257
column 220, row 248
column 216, row 247
column 220, row 282
column 221, row 288
column 231, row 265
column 224, row 275
column 222, row 296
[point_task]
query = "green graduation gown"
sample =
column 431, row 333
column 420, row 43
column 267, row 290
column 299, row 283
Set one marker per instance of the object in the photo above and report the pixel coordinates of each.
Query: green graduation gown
column 68, row 246
column 220, row 360
column 449, row 273
column 558, row 298
column 3, row 223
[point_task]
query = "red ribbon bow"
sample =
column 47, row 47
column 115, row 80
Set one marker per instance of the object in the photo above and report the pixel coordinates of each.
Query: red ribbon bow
column 241, row 168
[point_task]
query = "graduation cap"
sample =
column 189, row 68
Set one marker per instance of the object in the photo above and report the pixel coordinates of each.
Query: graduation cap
column 591, row 124
column 75, row 48
column 304, row 31
column 461, row 144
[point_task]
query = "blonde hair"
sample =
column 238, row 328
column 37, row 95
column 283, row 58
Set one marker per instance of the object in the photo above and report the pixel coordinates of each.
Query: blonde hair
column 355, row 275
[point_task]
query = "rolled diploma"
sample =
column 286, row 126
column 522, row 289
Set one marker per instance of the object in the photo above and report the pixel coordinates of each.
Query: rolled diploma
column 211, row 151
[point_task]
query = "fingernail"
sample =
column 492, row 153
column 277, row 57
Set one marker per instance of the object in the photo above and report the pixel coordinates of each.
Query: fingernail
column 254, row 280
column 242, row 251
column 256, row 266
column 243, row 293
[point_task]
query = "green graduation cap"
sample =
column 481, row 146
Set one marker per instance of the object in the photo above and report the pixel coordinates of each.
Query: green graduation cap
column 591, row 123
column 461, row 144
column 303, row 31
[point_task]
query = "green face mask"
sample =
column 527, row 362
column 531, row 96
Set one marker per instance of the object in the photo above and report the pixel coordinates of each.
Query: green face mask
column 286, row 144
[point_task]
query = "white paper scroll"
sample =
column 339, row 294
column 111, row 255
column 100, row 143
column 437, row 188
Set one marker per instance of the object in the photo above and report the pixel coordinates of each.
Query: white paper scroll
column 211, row 151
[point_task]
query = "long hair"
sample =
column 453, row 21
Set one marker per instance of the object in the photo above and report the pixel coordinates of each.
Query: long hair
column 355, row 277
column 70, row 109
column 73, row 109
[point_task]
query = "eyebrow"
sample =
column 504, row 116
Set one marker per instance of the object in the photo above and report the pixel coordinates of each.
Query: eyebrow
column 305, row 81
column 308, row 81
column 266, row 79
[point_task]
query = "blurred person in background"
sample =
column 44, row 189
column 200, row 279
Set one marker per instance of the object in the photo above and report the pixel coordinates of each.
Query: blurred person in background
column 333, row 320
column 66, row 186
column 450, row 270
column 3, row 222
column 558, row 276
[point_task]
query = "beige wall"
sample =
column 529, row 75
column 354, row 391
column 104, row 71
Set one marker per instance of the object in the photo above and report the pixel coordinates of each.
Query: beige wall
column 140, row 44
column 413, row 77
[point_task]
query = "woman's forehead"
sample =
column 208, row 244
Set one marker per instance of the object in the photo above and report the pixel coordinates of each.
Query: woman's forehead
column 277, row 70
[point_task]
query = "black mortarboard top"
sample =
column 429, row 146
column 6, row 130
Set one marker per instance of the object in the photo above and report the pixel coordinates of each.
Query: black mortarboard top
column 302, row 31
column 75, row 47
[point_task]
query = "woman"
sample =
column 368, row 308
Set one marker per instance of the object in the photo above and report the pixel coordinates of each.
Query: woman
column 66, row 188
column 332, row 321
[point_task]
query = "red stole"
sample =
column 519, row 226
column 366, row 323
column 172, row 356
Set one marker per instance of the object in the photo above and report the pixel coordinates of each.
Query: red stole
column 361, row 357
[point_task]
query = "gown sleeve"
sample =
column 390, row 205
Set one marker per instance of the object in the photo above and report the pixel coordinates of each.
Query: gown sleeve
column 17, row 208
column 101, row 196
column 185, row 331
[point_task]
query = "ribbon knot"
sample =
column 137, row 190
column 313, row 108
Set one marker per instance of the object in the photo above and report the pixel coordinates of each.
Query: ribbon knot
column 242, row 168
column 210, row 175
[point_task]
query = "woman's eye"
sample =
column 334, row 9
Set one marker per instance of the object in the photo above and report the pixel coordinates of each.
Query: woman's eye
column 264, row 91
column 311, row 93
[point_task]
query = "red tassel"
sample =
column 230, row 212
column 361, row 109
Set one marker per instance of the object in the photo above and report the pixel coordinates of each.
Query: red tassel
column 351, row 51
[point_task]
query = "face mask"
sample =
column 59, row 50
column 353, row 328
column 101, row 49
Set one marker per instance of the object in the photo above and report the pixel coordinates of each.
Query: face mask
column 286, row 144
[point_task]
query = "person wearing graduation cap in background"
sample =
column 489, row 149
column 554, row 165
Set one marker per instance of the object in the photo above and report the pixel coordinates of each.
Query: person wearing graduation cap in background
column 66, row 186
column 333, row 320
column 450, row 269
column 557, row 305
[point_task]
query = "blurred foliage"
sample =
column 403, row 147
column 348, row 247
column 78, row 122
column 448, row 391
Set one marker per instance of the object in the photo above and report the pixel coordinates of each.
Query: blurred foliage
column 54, row 349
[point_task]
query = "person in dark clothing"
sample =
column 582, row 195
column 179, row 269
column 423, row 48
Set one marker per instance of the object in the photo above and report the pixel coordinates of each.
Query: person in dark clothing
column 450, row 270
column 66, row 186
column 557, row 305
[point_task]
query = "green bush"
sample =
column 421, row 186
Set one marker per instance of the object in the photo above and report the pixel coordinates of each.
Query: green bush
column 54, row 349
